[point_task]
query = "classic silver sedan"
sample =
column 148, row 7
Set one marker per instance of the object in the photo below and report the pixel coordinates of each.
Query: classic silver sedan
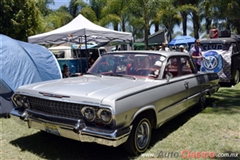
column 123, row 96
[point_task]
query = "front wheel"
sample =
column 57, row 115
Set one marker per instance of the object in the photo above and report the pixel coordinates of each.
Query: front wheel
column 140, row 136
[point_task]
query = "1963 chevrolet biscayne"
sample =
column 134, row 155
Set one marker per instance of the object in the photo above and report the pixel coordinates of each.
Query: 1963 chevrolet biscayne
column 123, row 96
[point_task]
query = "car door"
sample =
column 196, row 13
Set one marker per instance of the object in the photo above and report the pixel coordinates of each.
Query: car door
column 178, row 89
column 193, row 80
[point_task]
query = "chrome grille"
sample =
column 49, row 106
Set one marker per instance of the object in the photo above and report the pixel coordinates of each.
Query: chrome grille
column 56, row 108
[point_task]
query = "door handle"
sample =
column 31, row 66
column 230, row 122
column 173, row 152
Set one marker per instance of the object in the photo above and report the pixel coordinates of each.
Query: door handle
column 186, row 84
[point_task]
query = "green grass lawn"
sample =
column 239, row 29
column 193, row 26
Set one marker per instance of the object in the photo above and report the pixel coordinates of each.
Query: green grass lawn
column 214, row 129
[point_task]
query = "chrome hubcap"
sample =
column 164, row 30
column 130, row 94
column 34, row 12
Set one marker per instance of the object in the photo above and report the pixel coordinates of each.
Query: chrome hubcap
column 143, row 134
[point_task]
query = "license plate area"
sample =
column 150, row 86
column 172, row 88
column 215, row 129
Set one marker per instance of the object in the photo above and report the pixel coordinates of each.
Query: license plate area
column 53, row 129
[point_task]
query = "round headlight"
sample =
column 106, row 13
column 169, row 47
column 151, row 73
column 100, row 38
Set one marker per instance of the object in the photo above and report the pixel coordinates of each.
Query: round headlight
column 25, row 102
column 18, row 100
column 105, row 115
column 88, row 113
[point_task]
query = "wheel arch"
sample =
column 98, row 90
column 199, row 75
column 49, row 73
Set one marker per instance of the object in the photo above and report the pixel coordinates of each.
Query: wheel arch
column 149, row 112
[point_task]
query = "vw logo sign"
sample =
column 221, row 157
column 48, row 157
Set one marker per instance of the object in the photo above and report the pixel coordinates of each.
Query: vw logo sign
column 212, row 62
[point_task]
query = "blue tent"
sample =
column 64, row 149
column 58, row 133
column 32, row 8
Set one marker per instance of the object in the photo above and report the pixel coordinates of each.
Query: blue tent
column 23, row 63
column 182, row 40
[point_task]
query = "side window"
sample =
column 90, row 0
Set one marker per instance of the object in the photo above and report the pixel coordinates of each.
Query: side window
column 172, row 67
column 185, row 66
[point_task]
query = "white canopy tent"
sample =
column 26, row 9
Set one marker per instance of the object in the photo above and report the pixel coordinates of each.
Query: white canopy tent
column 79, row 30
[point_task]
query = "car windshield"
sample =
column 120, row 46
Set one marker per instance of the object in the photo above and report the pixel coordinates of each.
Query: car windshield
column 128, row 64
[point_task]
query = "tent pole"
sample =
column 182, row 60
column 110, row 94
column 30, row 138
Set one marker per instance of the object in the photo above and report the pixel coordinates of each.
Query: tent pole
column 87, row 53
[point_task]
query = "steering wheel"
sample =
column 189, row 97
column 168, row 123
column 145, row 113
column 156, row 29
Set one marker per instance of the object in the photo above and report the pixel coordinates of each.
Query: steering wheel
column 144, row 71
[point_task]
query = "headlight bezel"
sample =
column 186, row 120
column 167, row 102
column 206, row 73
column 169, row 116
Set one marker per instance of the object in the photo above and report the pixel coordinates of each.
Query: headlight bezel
column 17, row 99
column 90, row 108
column 101, row 114
column 105, row 110
column 21, row 101
column 25, row 102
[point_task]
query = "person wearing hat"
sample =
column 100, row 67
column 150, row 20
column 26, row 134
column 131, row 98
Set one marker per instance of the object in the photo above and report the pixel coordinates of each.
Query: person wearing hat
column 181, row 47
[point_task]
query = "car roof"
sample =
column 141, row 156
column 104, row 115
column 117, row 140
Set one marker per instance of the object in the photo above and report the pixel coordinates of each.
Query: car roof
column 164, row 53
column 220, row 40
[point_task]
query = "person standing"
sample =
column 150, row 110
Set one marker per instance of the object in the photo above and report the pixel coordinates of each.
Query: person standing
column 164, row 47
column 196, row 54
column 66, row 73
column 182, row 49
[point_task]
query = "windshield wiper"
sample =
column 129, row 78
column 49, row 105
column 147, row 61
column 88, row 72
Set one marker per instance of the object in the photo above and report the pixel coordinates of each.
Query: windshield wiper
column 123, row 75
column 95, row 74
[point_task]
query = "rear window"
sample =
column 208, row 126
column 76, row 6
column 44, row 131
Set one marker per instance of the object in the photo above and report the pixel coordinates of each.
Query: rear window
column 86, row 53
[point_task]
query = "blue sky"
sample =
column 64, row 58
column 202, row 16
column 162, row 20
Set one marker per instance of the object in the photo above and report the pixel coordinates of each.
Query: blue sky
column 59, row 3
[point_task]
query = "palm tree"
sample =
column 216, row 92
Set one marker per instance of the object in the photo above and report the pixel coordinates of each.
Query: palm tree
column 143, row 12
column 53, row 20
column 184, row 7
column 195, row 17
column 168, row 16
column 75, row 6
column 43, row 6
column 115, row 12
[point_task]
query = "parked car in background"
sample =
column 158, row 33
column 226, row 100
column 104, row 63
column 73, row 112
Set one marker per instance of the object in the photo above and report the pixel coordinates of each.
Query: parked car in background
column 5, row 99
column 122, row 97
column 77, row 57
column 222, row 56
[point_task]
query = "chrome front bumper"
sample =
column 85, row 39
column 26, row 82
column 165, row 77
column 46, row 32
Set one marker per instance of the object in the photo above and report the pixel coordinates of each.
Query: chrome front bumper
column 79, row 131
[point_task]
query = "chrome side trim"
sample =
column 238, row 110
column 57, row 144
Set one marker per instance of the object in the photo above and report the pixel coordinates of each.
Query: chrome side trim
column 210, row 90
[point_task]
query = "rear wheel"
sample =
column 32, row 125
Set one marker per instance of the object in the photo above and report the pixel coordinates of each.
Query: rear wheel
column 140, row 136
column 236, row 77
column 202, row 101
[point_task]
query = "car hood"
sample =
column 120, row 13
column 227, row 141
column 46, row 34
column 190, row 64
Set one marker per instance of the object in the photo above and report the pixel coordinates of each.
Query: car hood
column 88, row 88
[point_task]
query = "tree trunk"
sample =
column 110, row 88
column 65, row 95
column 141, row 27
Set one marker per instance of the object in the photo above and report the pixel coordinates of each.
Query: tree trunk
column 195, row 25
column 237, row 25
column 184, row 23
column 156, row 27
column 123, row 25
column 146, row 28
column 115, row 26
column 208, row 24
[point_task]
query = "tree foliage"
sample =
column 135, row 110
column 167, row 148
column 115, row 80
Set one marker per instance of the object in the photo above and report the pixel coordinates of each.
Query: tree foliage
column 75, row 6
column 20, row 18
column 23, row 18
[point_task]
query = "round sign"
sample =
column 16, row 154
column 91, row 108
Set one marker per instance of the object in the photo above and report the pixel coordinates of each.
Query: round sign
column 212, row 62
